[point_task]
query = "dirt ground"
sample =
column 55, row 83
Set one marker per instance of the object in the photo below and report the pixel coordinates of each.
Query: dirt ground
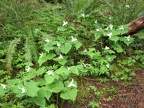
column 128, row 94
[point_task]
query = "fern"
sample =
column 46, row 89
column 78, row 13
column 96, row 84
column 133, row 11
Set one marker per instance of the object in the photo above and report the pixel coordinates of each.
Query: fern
column 10, row 51
column 31, row 51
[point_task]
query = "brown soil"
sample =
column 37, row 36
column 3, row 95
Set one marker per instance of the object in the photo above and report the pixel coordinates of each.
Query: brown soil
column 128, row 94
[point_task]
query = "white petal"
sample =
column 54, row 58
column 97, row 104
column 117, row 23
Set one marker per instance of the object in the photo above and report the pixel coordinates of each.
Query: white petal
column 47, row 40
column 28, row 69
column 73, row 39
column 60, row 57
column 3, row 86
column 50, row 72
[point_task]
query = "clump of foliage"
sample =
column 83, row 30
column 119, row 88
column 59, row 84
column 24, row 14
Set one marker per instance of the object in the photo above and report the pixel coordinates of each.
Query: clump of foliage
column 48, row 49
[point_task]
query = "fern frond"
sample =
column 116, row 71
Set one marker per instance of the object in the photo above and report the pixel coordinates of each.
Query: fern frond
column 31, row 52
column 10, row 52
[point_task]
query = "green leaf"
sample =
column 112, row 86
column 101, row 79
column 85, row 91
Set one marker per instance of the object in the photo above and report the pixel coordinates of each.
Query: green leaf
column 48, row 47
column 31, row 88
column 46, row 57
column 114, row 38
column 66, row 48
column 39, row 101
column 117, row 47
column 77, row 44
column 43, row 92
column 40, row 71
column 62, row 70
column 69, row 94
column 56, row 87
column 74, row 69
column 51, row 106
column 2, row 91
column 49, row 79
column 61, row 29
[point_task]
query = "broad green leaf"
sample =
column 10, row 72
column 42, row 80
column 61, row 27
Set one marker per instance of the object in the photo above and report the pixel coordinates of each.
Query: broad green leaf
column 70, row 94
column 40, row 71
column 51, row 106
column 62, row 70
column 66, row 48
column 117, row 47
column 40, row 101
column 74, row 69
column 48, row 47
column 61, row 29
column 77, row 44
column 114, row 38
column 97, row 36
column 46, row 57
column 2, row 91
column 49, row 79
column 31, row 88
column 56, row 87
column 43, row 92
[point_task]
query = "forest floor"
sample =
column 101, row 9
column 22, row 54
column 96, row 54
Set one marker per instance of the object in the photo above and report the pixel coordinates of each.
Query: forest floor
column 111, row 94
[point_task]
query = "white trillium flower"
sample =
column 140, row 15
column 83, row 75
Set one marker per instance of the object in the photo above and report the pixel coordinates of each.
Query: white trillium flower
column 58, row 44
column 41, row 54
column 73, row 39
column 107, row 48
column 107, row 65
column 47, row 40
column 50, row 73
column 72, row 84
column 96, row 21
column 110, row 18
column 85, row 50
column 111, row 26
column 64, row 23
column 128, row 38
column 68, row 68
column 97, row 30
column 106, row 28
column 85, row 65
column 110, row 35
column 127, row 6
column 121, row 28
column 83, row 15
column 3, row 86
column 60, row 57
column 28, row 69
column 22, row 89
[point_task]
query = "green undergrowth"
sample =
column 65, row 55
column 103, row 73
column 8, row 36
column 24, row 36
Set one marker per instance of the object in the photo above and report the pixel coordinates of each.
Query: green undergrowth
column 45, row 52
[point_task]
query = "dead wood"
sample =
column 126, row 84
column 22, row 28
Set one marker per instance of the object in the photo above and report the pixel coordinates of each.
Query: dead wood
column 135, row 26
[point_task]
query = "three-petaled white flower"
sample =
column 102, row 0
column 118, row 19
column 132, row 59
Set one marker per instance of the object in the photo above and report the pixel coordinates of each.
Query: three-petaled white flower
column 110, row 35
column 107, row 65
column 97, row 30
column 110, row 26
column 68, row 68
column 121, row 28
column 85, row 50
column 83, row 15
column 50, row 73
column 58, row 45
column 73, row 39
column 41, row 54
column 60, row 57
column 47, row 40
column 28, row 69
column 22, row 89
column 95, row 21
column 71, row 84
column 64, row 23
column 85, row 65
column 107, row 48
column 127, row 6
column 110, row 18
column 128, row 38
column 3, row 86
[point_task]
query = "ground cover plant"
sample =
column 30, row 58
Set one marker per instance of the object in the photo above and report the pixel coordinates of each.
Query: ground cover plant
column 48, row 51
